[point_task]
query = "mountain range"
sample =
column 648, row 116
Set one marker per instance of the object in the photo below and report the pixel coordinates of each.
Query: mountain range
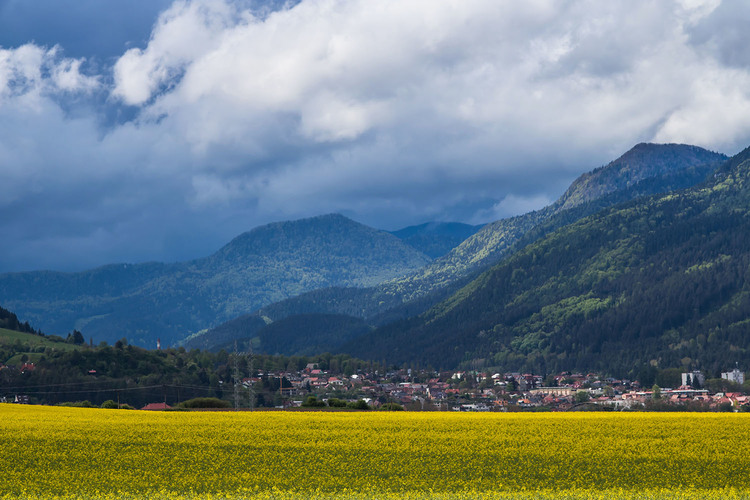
column 662, row 281
column 143, row 302
column 641, row 262
column 644, row 170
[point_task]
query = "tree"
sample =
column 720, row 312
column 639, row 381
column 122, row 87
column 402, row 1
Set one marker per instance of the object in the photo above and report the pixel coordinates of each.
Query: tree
column 656, row 392
column 391, row 407
column 359, row 405
column 669, row 377
column 582, row 397
column 76, row 338
column 205, row 403
column 313, row 402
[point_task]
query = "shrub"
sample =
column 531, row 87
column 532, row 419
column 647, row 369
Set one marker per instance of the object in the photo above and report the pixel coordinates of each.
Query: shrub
column 78, row 404
column 204, row 403
column 359, row 405
column 313, row 402
column 391, row 407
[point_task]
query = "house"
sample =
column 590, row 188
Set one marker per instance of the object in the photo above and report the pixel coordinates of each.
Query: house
column 156, row 407
column 553, row 391
column 472, row 407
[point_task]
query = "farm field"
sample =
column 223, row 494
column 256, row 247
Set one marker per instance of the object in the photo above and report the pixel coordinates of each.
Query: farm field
column 67, row 453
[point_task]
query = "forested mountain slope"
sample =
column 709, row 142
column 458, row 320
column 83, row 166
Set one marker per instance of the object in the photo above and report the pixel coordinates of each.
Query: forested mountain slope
column 144, row 302
column 644, row 170
column 661, row 280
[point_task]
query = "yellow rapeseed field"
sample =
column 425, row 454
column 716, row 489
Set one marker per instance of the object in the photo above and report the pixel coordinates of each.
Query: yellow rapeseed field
column 67, row 453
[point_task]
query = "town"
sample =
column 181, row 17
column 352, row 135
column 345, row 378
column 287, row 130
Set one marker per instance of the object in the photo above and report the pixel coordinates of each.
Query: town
column 484, row 391
column 163, row 379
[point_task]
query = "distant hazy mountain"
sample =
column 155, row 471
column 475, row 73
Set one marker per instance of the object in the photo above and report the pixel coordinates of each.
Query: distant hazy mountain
column 661, row 281
column 435, row 239
column 645, row 169
column 169, row 301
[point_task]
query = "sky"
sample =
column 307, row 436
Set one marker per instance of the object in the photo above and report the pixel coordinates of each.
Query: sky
column 157, row 130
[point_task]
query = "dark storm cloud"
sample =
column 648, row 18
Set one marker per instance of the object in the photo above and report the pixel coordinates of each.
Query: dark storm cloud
column 164, row 139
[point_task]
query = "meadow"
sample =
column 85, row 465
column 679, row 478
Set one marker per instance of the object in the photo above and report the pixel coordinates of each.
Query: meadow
column 79, row 453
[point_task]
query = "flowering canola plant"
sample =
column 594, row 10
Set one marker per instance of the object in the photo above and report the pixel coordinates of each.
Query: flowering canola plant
column 80, row 453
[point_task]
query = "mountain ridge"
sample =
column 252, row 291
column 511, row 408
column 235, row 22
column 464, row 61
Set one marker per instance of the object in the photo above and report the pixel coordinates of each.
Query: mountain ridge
column 260, row 266
column 659, row 281
column 404, row 296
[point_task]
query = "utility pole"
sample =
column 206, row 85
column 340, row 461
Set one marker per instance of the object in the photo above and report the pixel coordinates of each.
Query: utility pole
column 237, row 379
column 251, row 392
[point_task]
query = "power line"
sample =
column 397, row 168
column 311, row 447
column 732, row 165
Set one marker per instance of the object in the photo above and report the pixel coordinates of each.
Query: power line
column 95, row 391
column 56, row 385
column 98, row 390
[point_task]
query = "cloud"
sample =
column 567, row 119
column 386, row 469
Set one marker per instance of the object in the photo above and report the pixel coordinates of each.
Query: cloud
column 233, row 114
column 512, row 205
column 34, row 72
column 184, row 33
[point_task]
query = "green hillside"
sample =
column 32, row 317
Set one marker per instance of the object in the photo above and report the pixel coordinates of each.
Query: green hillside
column 660, row 281
column 20, row 342
column 646, row 169
column 144, row 302
column 31, row 340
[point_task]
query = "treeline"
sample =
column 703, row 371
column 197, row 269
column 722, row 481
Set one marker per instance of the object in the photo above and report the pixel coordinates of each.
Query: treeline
column 137, row 376
column 9, row 321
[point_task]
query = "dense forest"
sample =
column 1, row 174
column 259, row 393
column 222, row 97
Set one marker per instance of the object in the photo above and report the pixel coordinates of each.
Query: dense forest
column 662, row 281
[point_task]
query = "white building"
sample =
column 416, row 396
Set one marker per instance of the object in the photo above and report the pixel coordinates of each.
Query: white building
column 734, row 376
column 694, row 378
